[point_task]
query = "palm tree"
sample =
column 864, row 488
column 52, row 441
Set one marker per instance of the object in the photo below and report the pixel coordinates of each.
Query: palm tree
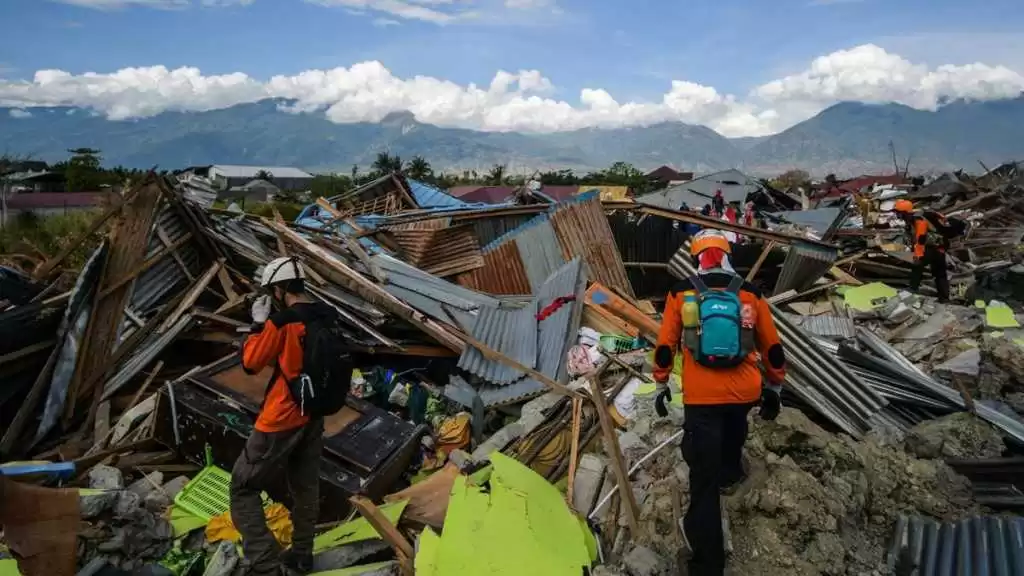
column 418, row 168
column 497, row 175
column 386, row 163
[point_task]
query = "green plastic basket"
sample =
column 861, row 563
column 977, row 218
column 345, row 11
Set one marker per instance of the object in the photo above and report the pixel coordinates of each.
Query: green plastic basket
column 208, row 495
column 617, row 344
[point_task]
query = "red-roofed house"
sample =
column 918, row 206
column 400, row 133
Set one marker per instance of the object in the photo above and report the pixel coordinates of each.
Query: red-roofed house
column 46, row 203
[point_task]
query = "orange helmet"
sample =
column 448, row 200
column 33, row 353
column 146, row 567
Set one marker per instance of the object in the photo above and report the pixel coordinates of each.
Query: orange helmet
column 709, row 239
column 904, row 206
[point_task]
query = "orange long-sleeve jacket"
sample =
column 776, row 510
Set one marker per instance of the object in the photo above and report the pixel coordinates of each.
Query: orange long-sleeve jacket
column 738, row 385
column 279, row 344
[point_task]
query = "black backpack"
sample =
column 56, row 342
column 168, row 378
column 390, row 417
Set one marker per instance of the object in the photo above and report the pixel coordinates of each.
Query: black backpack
column 320, row 390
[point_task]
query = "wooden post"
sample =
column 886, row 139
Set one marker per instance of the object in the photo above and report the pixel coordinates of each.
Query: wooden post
column 574, row 451
column 768, row 246
column 494, row 355
column 611, row 446
column 388, row 532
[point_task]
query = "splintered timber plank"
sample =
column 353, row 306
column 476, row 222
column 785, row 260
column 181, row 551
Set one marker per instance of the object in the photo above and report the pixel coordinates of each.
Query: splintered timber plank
column 129, row 241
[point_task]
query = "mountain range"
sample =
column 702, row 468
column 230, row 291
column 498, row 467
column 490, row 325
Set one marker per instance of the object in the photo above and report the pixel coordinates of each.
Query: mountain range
column 845, row 139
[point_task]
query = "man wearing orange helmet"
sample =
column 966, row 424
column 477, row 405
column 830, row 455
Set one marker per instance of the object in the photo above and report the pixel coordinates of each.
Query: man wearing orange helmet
column 929, row 233
column 724, row 328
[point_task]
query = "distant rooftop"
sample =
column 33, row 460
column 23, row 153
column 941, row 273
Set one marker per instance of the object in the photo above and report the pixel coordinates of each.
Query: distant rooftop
column 237, row 171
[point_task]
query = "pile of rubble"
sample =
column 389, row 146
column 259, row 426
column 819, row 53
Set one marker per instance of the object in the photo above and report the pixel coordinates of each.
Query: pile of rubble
column 508, row 346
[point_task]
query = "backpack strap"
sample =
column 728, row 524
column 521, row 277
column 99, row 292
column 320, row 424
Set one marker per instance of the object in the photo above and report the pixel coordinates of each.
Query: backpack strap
column 735, row 284
column 698, row 284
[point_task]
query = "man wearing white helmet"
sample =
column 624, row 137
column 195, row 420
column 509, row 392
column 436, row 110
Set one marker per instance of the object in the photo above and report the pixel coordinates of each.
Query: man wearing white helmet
column 286, row 440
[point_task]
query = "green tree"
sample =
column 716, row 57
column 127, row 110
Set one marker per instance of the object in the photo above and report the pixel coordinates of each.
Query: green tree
column 82, row 170
column 327, row 185
column 264, row 175
column 558, row 178
column 386, row 163
column 496, row 176
column 419, row 169
column 794, row 179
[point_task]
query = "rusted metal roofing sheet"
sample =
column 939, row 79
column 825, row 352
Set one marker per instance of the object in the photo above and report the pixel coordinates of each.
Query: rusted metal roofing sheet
column 978, row 545
column 502, row 272
column 441, row 251
column 582, row 229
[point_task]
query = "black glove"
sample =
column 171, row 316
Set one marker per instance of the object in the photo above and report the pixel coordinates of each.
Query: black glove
column 771, row 403
column 664, row 396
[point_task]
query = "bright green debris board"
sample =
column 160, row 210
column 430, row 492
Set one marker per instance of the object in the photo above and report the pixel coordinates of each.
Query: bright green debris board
column 356, row 530
column 426, row 553
column 522, row 526
column 354, row 570
column 9, row 567
column 867, row 297
column 1000, row 317
column 182, row 521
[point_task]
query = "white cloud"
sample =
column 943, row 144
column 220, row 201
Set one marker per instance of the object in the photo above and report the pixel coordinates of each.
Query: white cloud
column 385, row 22
column 523, row 100
column 114, row 4
column 19, row 113
column 407, row 9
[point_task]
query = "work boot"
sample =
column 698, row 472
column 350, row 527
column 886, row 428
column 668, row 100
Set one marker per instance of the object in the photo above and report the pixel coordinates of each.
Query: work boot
column 295, row 564
column 730, row 486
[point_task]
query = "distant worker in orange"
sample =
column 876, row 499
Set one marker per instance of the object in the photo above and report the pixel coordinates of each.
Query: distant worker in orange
column 929, row 232
column 725, row 330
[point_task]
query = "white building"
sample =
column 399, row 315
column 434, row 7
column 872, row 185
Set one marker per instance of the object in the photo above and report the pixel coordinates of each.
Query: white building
column 224, row 176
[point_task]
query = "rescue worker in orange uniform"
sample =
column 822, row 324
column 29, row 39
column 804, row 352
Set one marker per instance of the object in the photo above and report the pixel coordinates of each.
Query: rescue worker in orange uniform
column 929, row 233
column 717, row 308
column 285, row 443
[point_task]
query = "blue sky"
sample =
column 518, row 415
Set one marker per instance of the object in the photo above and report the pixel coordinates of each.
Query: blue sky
column 632, row 50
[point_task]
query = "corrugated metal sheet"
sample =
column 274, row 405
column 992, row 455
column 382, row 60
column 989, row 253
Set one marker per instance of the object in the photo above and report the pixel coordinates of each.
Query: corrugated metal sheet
column 804, row 265
column 431, row 295
column 72, row 329
column 825, row 325
column 199, row 190
column 820, row 220
column 144, row 355
column 443, row 251
column 503, row 272
column 428, row 196
column 735, row 187
column 980, row 545
column 539, row 250
column 583, row 230
column 167, row 276
column 511, row 332
column 488, row 229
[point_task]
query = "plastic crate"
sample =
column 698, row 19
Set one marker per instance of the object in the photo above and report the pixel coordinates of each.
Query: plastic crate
column 617, row 344
column 208, row 495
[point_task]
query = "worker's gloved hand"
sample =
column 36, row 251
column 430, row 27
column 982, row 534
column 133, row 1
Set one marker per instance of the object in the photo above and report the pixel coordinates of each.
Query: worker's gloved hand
column 261, row 309
column 771, row 403
column 664, row 397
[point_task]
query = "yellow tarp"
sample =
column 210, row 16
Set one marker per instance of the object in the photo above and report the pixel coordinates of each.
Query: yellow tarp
column 869, row 296
column 521, row 526
column 278, row 520
column 608, row 193
column 1000, row 317
column 357, row 530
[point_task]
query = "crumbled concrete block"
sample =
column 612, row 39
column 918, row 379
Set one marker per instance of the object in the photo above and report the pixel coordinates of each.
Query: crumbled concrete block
column 105, row 478
column 589, row 477
column 642, row 561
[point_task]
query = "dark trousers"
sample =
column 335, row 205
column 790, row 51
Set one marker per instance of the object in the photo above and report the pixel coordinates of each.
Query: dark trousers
column 268, row 459
column 713, row 448
column 935, row 259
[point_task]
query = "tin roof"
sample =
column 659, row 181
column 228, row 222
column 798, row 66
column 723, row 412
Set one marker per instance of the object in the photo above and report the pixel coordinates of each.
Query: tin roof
column 240, row 171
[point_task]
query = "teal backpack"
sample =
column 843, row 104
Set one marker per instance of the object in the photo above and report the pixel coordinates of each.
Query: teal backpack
column 719, row 341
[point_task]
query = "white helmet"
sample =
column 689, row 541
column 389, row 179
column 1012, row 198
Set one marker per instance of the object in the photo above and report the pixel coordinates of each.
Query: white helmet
column 281, row 270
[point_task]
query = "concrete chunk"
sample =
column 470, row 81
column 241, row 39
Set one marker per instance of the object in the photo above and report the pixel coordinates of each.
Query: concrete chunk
column 589, row 478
